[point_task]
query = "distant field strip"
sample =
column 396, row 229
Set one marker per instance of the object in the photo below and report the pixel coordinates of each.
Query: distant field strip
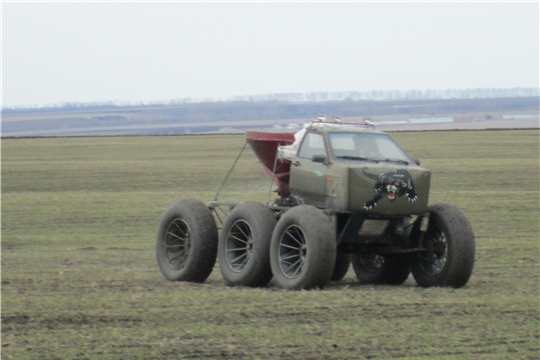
column 80, row 280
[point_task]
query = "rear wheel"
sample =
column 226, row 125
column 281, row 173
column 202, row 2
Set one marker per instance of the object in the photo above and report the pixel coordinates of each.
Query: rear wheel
column 372, row 268
column 448, row 259
column 244, row 245
column 303, row 249
column 186, row 244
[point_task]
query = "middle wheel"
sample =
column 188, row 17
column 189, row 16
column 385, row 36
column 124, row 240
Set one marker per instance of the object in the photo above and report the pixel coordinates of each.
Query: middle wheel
column 244, row 242
column 303, row 249
column 371, row 268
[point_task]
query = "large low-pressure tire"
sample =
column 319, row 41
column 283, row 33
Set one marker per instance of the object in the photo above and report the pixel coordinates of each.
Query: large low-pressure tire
column 372, row 268
column 450, row 249
column 343, row 262
column 186, row 245
column 244, row 245
column 303, row 249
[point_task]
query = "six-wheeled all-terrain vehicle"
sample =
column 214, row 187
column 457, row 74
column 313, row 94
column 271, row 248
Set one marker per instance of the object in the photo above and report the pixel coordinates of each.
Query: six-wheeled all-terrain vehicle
column 346, row 194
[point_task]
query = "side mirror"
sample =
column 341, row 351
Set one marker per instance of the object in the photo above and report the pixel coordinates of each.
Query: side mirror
column 318, row 159
column 417, row 162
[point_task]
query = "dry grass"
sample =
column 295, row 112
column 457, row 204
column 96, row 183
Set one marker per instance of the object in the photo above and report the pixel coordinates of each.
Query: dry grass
column 79, row 278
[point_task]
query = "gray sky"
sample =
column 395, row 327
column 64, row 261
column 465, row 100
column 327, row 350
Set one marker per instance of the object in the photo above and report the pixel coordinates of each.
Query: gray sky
column 84, row 52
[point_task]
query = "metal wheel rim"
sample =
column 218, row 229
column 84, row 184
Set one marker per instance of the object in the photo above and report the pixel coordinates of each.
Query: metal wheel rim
column 177, row 244
column 292, row 251
column 432, row 262
column 372, row 262
column 239, row 245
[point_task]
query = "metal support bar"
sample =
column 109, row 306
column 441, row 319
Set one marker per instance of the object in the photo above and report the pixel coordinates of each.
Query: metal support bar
column 400, row 251
column 230, row 171
column 216, row 208
column 217, row 215
column 273, row 177
column 424, row 223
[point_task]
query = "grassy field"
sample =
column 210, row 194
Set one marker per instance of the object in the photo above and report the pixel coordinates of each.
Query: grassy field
column 80, row 281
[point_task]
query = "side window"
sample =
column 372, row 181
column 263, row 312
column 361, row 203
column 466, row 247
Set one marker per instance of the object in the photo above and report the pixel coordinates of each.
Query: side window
column 312, row 145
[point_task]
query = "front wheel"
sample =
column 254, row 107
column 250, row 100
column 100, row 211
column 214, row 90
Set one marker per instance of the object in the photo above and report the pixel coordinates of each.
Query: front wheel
column 303, row 249
column 449, row 249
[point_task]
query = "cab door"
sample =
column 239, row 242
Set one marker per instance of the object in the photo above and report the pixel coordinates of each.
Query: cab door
column 308, row 177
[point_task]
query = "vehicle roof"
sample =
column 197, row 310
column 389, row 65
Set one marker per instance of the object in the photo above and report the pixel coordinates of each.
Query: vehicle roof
column 337, row 128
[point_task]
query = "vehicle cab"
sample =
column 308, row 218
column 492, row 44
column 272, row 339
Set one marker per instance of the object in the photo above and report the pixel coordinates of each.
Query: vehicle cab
column 351, row 168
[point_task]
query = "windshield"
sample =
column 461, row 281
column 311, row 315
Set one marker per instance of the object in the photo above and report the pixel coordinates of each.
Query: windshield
column 366, row 146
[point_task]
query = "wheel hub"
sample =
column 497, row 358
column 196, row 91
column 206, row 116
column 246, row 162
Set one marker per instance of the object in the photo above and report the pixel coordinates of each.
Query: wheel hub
column 239, row 245
column 432, row 261
column 292, row 252
column 177, row 244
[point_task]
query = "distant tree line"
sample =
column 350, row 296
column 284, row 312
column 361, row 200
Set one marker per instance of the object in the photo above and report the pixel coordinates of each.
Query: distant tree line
column 394, row 95
column 274, row 109
column 346, row 96
column 212, row 116
column 235, row 111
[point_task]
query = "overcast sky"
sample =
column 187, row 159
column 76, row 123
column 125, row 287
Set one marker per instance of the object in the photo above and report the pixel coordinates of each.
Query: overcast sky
column 84, row 52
